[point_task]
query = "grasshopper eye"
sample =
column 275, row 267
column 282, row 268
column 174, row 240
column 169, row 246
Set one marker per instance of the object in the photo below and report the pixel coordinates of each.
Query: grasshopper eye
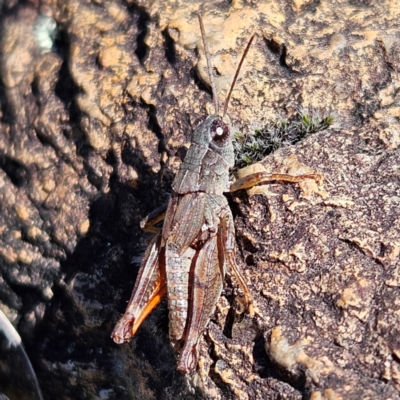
column 219, row 132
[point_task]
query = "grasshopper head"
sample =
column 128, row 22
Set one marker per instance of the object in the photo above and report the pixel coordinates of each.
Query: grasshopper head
column 208, row 160
column 213, row 139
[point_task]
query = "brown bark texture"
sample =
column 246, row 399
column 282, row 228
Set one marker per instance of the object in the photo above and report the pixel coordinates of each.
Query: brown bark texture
column 94, row 119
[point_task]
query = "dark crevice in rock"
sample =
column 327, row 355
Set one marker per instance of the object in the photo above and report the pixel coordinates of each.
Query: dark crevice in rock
column 142, row 19
column 17, row 172
column 230, row 318
column 199, row 83
column 155, row 127
column 5, row 115
column 66, row 89
column 311, row 7
column 265, row 368
column 282, row 57
column 216, row 378
column 280, row 50
column 170, row 53
column 360, row 250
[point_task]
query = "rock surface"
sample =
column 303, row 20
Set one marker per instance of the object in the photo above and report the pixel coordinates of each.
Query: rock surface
column 93, row 128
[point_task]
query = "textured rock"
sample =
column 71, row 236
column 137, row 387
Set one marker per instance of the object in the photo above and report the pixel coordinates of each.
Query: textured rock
column 92, row 135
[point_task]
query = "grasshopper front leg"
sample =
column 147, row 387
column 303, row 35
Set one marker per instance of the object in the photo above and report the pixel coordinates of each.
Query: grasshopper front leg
column 227, row 225
column 257, row 178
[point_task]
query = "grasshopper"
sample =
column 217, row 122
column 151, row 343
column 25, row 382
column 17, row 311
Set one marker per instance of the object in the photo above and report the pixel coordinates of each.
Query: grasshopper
column 187, row 259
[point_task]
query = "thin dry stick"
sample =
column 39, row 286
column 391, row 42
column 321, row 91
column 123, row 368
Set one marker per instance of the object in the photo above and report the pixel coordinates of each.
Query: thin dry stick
column 237, row 74
column 209, row 66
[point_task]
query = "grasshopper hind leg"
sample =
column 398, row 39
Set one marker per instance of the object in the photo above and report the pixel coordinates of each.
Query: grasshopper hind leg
column 150, row 288
column 205, row 290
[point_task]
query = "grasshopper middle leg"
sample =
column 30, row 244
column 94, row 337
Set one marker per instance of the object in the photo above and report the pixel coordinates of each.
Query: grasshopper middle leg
column 227, row 241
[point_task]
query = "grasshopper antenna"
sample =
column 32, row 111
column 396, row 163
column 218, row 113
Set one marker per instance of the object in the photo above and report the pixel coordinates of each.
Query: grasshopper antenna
column 246, row 50
column 209, row 66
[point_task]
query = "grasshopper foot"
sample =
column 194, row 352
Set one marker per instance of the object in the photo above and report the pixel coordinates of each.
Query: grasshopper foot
column 187, row 360
column 245, row 304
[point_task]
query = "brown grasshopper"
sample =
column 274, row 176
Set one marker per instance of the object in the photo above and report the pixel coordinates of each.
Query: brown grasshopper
column 187, row 260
